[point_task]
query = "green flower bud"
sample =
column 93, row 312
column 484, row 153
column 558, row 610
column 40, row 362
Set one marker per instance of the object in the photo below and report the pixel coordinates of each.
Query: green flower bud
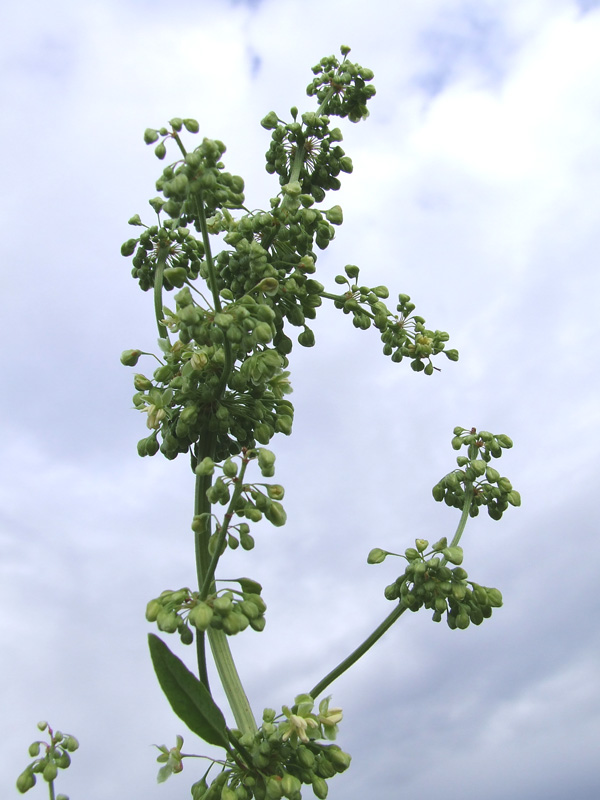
column 335, row 215
column 494, row 597
column 412, row 554
column 274, row 788
column 258, row 624
column 339, row 759
column 459, row 591
column 283, row 424
column 266, row 459
column 421, row 544
column 478, row 466
column 453, row 554
column 152, row 610
column 160, row 151
column 319, row 787
column 42, row 725
column 26, row 781
column 50, row 771
column 228, row 794
column 176, row 276
column 270, row 122
column 176, row 123
column 438, row 492
column 141, row 383
column 391, row 592
column 492, row 475
column 290, row 784
column 451, row 354
column 230, row 468
column 514, row 498
column 306, row 338
column 476, row 615
column 462, row 620
column 191, row 125
column 305, row 757
column 460, row 574
column 505, row 485
column 150, row 135
column 129, row 358
column 223, row 604
column 63, row 760
column 201, row 615
column 275, row 513
column 504, row 441
column 167, row 621
column 128, row 247
column 377, row 555
column 275, row 491
column 205, row 467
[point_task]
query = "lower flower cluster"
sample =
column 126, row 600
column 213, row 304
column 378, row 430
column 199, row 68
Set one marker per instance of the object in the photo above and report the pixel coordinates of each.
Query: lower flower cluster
column 281, row 758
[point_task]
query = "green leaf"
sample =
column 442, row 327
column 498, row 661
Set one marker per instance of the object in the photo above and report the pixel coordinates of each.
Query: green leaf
column 189, row 698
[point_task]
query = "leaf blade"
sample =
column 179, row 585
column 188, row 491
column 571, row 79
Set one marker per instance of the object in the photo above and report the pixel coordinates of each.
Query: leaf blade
column 188, row 697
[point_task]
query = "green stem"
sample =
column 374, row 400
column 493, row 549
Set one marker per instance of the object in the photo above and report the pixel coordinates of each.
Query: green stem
column 391, row 618
column 51, row 789
column 463, row 517
column 230, row 679
column 210, row 572
column 158, row 287
column 359, row 652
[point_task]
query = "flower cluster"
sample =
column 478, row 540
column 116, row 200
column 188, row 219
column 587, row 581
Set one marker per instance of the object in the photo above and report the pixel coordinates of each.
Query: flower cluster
column 282, row 756
column 229, row 610
column 489, row 488
column 428, row 582
column 403, row 334
column 344, row 87
column 55, row 755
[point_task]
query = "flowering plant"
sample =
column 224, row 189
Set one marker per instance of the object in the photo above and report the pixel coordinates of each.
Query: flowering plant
column 232, row 288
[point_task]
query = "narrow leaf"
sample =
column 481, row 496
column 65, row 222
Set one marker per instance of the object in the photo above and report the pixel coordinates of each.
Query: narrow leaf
column 189, row 698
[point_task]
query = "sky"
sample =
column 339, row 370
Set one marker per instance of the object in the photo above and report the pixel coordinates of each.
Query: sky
column 475, row 191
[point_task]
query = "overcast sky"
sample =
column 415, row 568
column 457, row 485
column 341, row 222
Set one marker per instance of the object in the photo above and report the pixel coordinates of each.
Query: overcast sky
column 476, row 191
